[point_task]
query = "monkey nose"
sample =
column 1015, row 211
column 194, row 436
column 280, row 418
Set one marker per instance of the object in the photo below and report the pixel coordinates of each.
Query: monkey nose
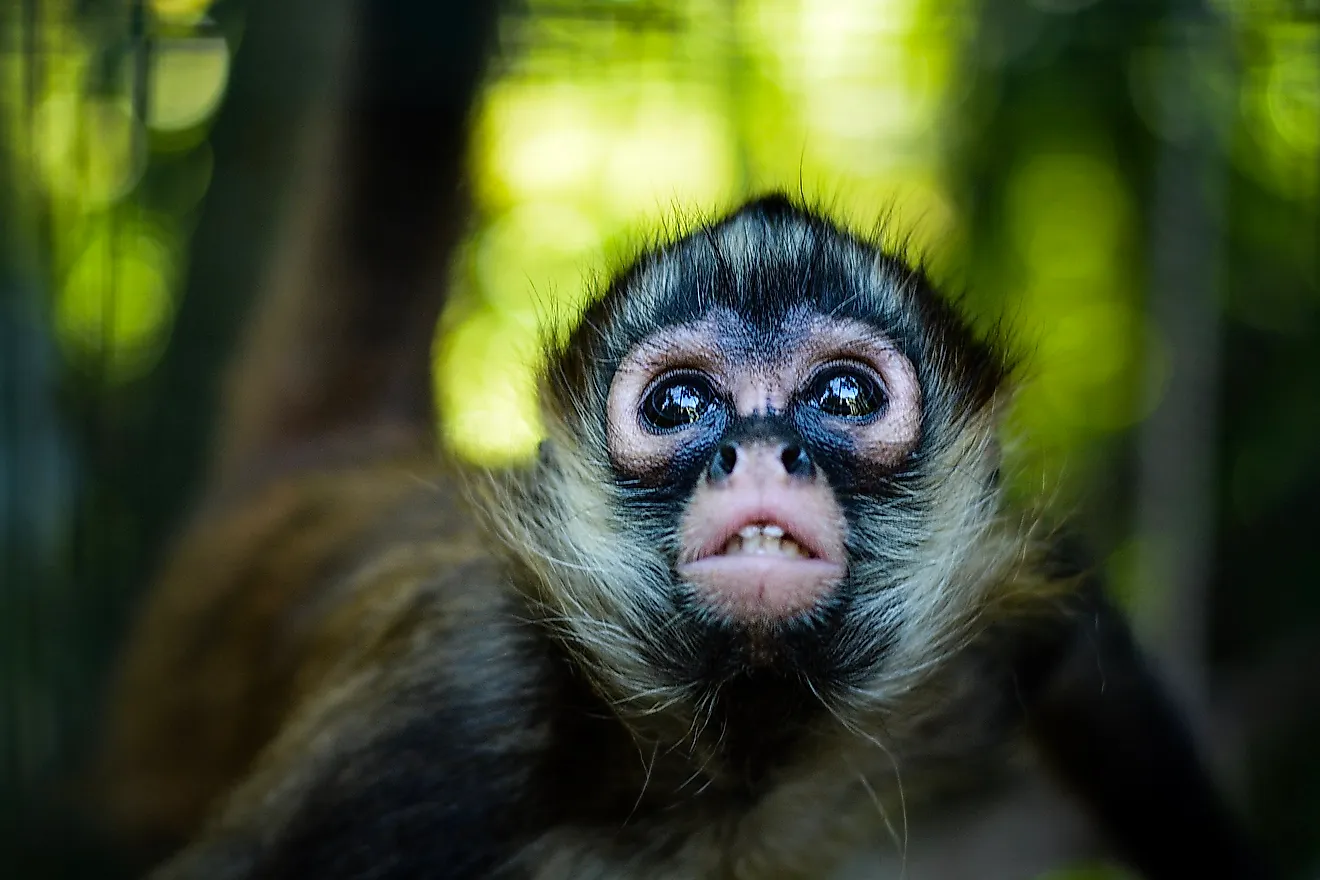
column 796, row 461
column 726, row 459
column 731, row 457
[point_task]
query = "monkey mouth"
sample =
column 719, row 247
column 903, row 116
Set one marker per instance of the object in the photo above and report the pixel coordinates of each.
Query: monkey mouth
column 763, row 568
column 766, row 539
column 769, row 525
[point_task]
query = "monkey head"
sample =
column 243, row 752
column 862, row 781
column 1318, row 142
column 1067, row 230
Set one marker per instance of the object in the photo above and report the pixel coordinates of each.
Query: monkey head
column 770, row 457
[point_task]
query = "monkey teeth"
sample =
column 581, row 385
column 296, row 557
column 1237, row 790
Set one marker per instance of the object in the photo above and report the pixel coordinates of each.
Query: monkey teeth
column 767, row 540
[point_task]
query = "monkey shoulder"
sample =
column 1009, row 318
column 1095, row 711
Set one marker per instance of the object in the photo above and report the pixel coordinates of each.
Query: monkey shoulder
column 409, row 748
column 456, row 739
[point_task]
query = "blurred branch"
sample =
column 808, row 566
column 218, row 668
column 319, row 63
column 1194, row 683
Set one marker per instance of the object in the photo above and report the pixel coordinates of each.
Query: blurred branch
column 286, row 60
column 1178, row 442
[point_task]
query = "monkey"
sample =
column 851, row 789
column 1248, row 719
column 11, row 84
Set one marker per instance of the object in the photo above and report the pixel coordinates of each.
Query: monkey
column 760, row 591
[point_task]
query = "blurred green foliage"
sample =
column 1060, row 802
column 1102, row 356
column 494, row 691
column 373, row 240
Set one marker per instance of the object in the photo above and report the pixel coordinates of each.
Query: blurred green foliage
column 1017, row 147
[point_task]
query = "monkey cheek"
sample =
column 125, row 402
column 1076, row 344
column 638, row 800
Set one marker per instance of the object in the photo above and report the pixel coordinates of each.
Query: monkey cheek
column 750, row 589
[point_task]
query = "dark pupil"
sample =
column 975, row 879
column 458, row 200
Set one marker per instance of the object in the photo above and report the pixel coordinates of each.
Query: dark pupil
column 847, row 394
column 676, row 403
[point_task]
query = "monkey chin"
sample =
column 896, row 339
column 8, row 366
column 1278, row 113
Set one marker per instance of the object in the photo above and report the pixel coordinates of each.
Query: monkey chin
column 762, row 587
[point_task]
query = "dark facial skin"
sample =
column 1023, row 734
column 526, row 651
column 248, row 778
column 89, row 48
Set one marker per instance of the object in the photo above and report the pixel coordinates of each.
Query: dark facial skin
column 757, row 424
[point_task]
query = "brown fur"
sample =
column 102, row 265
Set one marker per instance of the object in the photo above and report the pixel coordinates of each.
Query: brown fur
column 246, row 618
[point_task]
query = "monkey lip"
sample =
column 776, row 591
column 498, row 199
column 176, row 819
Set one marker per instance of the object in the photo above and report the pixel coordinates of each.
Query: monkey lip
column 767, row 563
column 762, row 586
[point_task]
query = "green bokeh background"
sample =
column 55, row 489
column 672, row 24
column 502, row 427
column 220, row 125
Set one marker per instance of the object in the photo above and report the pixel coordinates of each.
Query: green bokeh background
column 1132, row 186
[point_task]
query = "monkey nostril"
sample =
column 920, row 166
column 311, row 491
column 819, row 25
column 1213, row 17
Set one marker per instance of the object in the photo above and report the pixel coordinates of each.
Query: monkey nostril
column 796, row 461
column 725, row 461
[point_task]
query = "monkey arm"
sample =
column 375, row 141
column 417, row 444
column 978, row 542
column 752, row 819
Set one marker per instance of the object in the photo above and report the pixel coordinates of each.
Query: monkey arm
column 341, row 339
column 327, row 425
column 1107, row 730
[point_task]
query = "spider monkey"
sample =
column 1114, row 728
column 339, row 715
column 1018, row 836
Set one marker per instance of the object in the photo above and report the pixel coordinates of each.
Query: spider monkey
column 762, row 561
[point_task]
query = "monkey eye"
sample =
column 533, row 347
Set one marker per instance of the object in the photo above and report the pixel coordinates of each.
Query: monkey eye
column 847, row 392
column 677, row 401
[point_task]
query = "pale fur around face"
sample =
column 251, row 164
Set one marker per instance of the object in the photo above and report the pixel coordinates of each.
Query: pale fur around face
column 591, row 576
column 926, row 561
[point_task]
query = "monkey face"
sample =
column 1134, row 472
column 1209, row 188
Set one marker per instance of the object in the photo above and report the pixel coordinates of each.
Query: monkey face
column 771, row 453
column 755, row 426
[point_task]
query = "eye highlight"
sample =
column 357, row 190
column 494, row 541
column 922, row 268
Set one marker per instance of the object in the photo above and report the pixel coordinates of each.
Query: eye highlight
column 677, row 402
column 846, row 391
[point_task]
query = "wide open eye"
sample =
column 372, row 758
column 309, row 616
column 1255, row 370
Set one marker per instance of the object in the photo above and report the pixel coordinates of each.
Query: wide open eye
column 847, row 392
column 677, row 402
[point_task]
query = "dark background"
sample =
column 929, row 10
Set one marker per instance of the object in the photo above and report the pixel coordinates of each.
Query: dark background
column 1134, row 186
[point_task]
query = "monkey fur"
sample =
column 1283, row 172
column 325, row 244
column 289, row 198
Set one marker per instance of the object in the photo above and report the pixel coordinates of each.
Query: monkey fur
column 365, row 661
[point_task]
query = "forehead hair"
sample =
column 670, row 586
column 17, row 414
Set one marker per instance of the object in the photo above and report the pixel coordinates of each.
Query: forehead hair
column 774, row 263
column 768, row 262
